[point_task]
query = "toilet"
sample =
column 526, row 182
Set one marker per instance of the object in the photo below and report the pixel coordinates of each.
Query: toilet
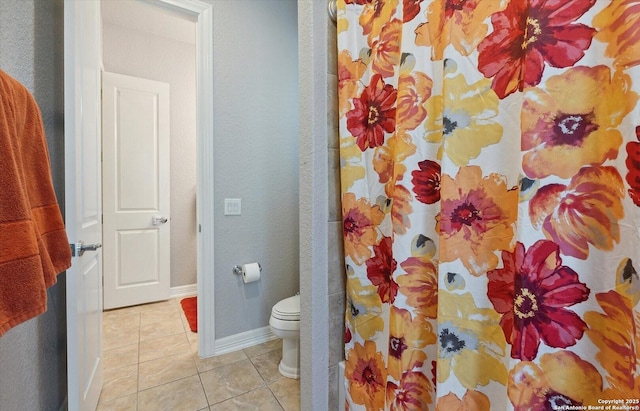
column 285, row 324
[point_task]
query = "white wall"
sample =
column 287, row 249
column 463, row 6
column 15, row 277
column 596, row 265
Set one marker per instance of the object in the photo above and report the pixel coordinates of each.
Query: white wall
column 255, row 157
column 139, row 54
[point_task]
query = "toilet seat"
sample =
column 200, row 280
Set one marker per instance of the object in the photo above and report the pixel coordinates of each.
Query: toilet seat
column 287, row 309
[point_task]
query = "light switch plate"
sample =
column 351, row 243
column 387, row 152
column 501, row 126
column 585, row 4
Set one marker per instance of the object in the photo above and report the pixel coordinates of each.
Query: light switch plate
column 232, row 206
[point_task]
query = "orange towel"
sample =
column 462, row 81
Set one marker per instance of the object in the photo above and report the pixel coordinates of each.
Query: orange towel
column 33, row 243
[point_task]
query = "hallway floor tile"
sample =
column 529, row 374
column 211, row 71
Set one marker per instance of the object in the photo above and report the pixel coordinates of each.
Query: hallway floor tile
column 151, row 364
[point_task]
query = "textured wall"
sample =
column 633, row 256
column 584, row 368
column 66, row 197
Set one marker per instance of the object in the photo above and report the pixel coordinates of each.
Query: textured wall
column 255, row 158
column 314, row 204
column 322, row 274
column 138, row 54
column 33, row 355
column 336, row 281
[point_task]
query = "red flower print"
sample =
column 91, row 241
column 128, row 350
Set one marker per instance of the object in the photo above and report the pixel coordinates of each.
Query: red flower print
column 529, row 34
column 633, row 165
column 531, row 292
column 410, row 9
column 434, row 367
column 380, row 269
column 426, row 182
column 373, row 114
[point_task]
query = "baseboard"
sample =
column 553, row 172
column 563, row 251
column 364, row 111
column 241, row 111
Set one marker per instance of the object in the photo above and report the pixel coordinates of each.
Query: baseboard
column 243, row 340
column 233, row 342
column 183, row 291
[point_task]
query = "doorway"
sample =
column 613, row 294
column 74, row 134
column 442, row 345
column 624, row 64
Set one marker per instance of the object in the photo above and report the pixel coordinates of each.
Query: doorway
column 256, row 156
column 144, row 42
column 186, row 23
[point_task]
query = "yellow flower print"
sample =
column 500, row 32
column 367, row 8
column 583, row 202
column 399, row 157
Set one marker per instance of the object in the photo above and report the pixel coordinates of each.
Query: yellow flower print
column 342, row 22
column 388, row 163
column 477, row 218
column 360, row 224
column 617, row 26
column 387, row 159
column 471, row 401
column 628, row 281
column 434, row 129
column 413, row 91
column 349, row 74
column 463, row 119
column 402, row 209
column 615, row 333
column 573, row 120
column 385, row 50
column 460, row 23
column 366, row 372
column 364, row 307
column 420, row 285
column 560, row 379
column 470, row 342
column 375, row 15
column 351, row 168
column 407, row 339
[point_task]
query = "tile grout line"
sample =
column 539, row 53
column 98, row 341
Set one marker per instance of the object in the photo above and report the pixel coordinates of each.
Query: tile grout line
column 138, row 366
column 252, row 360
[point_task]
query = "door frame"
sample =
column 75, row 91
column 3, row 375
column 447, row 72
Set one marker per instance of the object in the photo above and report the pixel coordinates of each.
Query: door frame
column 202, row 14
column 82, row 44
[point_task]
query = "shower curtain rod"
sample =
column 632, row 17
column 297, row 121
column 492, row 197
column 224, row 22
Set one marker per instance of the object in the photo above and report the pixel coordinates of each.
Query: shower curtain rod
column 332, row 9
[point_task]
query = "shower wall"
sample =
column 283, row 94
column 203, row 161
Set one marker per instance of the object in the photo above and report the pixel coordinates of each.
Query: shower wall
column 322, row 276
column 336, row 275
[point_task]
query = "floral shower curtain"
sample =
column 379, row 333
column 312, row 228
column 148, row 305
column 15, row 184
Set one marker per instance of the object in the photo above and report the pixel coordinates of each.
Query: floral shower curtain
column 490, row 166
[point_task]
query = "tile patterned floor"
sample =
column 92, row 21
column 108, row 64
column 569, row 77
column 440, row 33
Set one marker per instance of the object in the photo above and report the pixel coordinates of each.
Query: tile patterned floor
column 151, row 364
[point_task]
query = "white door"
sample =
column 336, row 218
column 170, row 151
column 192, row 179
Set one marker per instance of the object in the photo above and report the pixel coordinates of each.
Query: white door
column 135, row 127
column 82, row 42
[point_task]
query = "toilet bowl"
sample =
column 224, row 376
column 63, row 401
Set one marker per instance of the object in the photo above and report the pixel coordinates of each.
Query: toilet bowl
column 285, row 324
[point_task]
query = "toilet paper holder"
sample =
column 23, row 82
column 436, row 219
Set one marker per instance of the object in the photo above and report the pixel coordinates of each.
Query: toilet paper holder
column 237, row 269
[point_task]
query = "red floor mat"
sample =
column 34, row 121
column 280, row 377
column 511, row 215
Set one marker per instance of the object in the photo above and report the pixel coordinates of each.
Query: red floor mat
column 190, row 308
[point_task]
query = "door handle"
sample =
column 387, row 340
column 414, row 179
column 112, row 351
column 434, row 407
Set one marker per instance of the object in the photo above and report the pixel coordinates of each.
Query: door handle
column 78, row 249
column 159, row 220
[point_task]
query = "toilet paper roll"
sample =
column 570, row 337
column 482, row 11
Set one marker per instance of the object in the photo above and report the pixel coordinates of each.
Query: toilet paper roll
column 250, row 272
